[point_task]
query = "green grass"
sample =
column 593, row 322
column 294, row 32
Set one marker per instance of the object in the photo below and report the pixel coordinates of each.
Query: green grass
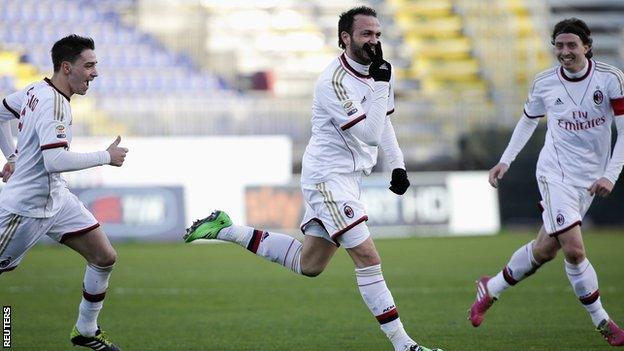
column 220, row 297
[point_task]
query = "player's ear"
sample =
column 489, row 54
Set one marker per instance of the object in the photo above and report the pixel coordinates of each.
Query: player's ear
column 346, row 38
column 66, row 67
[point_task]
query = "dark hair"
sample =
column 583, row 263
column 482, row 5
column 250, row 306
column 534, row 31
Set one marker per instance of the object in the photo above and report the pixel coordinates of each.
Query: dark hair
column 574, row 26
column 345, row 23
column 69, row 48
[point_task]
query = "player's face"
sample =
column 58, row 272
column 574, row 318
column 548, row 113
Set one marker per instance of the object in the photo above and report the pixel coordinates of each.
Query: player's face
column 366, row 29
column 82, row 72
column 570, row 51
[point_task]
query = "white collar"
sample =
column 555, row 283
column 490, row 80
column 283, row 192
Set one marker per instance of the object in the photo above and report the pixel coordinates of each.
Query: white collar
column 360, row 68
column 578, row 74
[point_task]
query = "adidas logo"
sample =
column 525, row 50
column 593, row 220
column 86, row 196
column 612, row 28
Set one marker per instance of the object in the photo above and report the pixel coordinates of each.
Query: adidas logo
column 558, row 102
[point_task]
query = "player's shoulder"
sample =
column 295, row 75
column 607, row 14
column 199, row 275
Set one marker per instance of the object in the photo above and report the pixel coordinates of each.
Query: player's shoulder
column 545, row 74
column 609, row 71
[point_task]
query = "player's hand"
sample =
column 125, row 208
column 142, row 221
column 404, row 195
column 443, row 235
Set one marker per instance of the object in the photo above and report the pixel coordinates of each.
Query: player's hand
column 399, row 182
column 602, row 187
column 379, row 69
column 496, row 174
column 7, row 171
column 117, row 154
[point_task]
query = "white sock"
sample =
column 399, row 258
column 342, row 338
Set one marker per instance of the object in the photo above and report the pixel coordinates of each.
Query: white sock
column 521, row 265
column 275, row 247
column 584, row 280
column 95, row 284
column 239, row 234
column 379, row 300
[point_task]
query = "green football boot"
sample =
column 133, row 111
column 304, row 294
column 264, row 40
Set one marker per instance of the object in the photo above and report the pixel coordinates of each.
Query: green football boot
column 209, row 227
column 98, row 342
column 422, row 348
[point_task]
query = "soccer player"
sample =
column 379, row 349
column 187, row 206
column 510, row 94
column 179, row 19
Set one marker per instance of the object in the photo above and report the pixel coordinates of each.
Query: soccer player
column 352, row 101
column 582, row 98
column 36, row 200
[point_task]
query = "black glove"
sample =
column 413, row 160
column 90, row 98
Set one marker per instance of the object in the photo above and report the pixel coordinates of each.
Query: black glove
column 399, row 182
column 379, row 69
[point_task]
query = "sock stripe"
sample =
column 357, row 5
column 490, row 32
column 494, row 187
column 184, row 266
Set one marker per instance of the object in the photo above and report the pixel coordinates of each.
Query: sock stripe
column 388, row 316
column 508, row 277
column 588, row 300
column 254, row 243
column 288, row 251
column 375, row 282
column 93, row 297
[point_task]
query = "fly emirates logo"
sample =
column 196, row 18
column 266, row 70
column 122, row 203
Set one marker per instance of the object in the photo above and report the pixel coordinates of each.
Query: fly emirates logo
column 581, row 121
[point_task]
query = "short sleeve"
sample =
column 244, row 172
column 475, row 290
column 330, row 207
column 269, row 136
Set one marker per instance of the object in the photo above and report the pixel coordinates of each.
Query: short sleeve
column 51, row 125
column 534, row 105
column 615, row 90
column 341, row 103
column 11, row 106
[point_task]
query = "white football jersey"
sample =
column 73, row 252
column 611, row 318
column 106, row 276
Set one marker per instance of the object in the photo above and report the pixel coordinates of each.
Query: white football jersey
column 45, row 123
column 580, row 113
column 342, row 97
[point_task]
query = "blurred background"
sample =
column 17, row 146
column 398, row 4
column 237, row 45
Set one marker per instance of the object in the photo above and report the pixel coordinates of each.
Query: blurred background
column 174, row 71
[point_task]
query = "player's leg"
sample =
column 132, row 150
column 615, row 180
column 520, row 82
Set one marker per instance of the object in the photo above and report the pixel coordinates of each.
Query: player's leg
column 17, row 235
column 584, row 281
column 373, row 287
column 76, row 228
column 309, row 258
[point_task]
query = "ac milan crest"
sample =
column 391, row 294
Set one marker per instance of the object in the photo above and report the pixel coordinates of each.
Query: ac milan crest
column 598, row 97
column 348, row 211
column 560, row 219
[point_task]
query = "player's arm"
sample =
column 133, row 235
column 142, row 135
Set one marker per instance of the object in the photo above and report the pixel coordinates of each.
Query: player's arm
column 8, row 112
column 534, row 109
column 615, row 90
column 59, row 159
column 373, row 124
column 393, row 155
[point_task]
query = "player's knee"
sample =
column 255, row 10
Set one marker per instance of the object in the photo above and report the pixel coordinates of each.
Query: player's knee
column 545, row 254
column 105, row 259
column 311, row 271
column 575, row 255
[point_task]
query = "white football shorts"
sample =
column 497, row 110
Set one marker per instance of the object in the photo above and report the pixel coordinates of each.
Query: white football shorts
column 563, row 206
column 333, row 211
column 18, row 233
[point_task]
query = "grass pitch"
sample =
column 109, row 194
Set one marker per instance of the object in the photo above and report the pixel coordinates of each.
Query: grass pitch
column 221, row 297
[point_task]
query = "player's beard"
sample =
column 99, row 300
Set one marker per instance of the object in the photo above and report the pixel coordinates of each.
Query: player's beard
column 359, row 55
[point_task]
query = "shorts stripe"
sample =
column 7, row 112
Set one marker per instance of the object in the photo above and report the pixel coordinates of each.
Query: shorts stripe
column 8, row 233
column 548, row 208
column 331, row 206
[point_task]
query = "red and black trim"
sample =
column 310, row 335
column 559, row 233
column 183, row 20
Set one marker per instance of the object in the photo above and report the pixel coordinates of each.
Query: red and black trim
column 78, row 232
column 588, row 300
column 388, row 316
column 569, row 79
column 54, row 145
column 7, row 269
column 47, row 80
column 532, row 117
column 10, row 109
column 618, row 106
column 352, row 122
column 345, row 63
column 254, row 243
column 347, row 228
column 561, row 231
column 93, row 298
column 508, row 277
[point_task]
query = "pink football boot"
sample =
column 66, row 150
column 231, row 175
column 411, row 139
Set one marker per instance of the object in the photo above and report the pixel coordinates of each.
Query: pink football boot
column 482, row 303
column 611, row 332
